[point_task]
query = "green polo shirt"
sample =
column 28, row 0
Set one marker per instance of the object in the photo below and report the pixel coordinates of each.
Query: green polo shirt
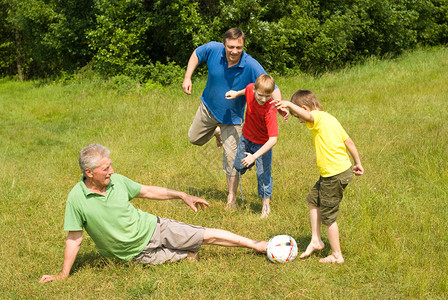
column 118, row 229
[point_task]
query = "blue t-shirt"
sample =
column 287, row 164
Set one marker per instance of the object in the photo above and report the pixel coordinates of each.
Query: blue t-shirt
column 222, row 79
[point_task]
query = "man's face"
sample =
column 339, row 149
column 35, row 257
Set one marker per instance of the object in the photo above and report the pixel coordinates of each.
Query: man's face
column 234, row 49
column 101, row 175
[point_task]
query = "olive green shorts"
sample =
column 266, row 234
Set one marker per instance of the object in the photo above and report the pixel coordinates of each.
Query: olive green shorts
column 327, row 195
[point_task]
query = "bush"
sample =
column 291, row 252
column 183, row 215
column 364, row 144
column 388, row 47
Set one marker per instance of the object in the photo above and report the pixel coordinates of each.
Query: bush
column 136, row 37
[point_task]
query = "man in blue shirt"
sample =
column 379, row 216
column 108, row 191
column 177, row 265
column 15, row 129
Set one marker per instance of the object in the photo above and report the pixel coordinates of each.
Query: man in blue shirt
column 229, row 68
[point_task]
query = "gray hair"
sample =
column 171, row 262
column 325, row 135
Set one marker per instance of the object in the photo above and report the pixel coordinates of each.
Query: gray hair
column 90, row 156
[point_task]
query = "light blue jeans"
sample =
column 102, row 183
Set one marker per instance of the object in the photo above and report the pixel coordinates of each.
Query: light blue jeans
column 263, row 165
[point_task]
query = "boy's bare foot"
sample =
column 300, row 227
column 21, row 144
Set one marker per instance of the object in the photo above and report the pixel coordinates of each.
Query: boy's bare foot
column 311, row 248
column 266, row 208
column 265, row 212
column 192, row 256
column 217, row 135
column 332, row 259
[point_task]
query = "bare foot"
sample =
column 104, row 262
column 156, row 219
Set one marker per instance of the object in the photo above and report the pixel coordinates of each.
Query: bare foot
column 265, row 212
column 192, row 256
column 230, row 205
column 261, row 246
column 311, row 248
column 217, row 135
column 231, row 202
column 332, row 259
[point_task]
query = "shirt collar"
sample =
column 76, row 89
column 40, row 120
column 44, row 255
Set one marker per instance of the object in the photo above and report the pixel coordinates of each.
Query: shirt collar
column 240, row 64
column 87, row 192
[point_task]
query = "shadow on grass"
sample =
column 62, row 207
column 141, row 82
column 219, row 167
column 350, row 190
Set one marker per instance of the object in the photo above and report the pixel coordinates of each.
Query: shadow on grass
column 208, row 193
column 303, row 241
column 91, row 259
column 95, row 261
column 251, row 200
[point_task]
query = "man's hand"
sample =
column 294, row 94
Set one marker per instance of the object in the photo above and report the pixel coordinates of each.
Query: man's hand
column 194, row 202
column 49, row 278
column 186, row 86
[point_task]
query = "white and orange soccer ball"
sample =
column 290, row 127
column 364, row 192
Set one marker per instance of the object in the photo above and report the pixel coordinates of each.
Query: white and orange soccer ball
column 282, row 249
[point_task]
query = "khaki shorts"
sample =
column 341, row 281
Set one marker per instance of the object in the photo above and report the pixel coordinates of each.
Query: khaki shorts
column 171, row 241
column 327, row 195
column 202, row 130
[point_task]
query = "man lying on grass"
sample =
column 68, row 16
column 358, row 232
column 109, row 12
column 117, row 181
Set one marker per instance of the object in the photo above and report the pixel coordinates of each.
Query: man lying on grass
column 100, row 204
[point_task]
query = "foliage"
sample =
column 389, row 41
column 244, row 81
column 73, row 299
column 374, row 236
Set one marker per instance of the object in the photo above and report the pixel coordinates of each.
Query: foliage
column 47, row 37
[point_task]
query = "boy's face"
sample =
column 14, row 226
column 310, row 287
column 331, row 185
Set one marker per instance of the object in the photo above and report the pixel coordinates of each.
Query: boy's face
column 297, row 116
column 261, row 96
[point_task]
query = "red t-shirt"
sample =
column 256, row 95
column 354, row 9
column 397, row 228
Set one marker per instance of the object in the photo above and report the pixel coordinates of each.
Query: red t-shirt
column 261, row 120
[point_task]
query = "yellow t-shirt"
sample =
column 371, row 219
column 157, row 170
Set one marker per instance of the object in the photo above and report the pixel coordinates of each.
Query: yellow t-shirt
column 328, row 137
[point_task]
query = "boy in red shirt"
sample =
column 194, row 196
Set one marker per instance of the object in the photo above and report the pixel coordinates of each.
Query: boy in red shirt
column 259, row 136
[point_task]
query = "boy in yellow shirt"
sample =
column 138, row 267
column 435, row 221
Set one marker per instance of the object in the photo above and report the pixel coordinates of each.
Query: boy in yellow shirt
column 335, row 168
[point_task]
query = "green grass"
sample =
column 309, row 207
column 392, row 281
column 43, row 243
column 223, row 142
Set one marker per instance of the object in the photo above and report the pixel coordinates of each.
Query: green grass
column 393, row 220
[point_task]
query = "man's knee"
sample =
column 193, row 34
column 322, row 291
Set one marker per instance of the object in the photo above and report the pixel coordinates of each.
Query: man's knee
column 195, row 139
column 195, row 142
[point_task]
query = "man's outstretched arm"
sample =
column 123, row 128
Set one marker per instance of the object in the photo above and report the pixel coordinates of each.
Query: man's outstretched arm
column 72, row 245
column 161, row 193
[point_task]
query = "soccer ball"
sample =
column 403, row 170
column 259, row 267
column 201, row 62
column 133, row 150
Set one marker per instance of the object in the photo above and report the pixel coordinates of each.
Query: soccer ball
column 282, row 249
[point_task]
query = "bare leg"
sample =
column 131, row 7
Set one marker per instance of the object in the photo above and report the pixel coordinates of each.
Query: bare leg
column 316, row 240
column 266, row 208
column 232, row 181
column 228, row 239
column 333, row 237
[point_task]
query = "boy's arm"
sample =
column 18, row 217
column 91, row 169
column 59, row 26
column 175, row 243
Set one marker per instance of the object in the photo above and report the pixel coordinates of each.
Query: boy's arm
column 295, row 110
column 233, row 94
column 357, row 168
column 250, row 158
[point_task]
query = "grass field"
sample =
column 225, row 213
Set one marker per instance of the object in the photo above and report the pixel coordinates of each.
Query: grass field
column 393, row 220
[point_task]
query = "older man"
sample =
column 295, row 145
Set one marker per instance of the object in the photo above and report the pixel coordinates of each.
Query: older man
column 229, row 68
column 100, row 204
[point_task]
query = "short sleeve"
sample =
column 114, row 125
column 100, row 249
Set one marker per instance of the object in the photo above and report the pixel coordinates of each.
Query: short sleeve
column 73, row 220
column 203, row 52
column 132, row 187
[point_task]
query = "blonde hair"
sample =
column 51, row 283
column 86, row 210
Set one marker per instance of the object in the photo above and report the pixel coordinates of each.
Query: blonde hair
column 90, row 156
column 306, row 97
column 265, row 83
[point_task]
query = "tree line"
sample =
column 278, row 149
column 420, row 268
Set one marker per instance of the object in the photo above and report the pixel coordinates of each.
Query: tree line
column 153, row 39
